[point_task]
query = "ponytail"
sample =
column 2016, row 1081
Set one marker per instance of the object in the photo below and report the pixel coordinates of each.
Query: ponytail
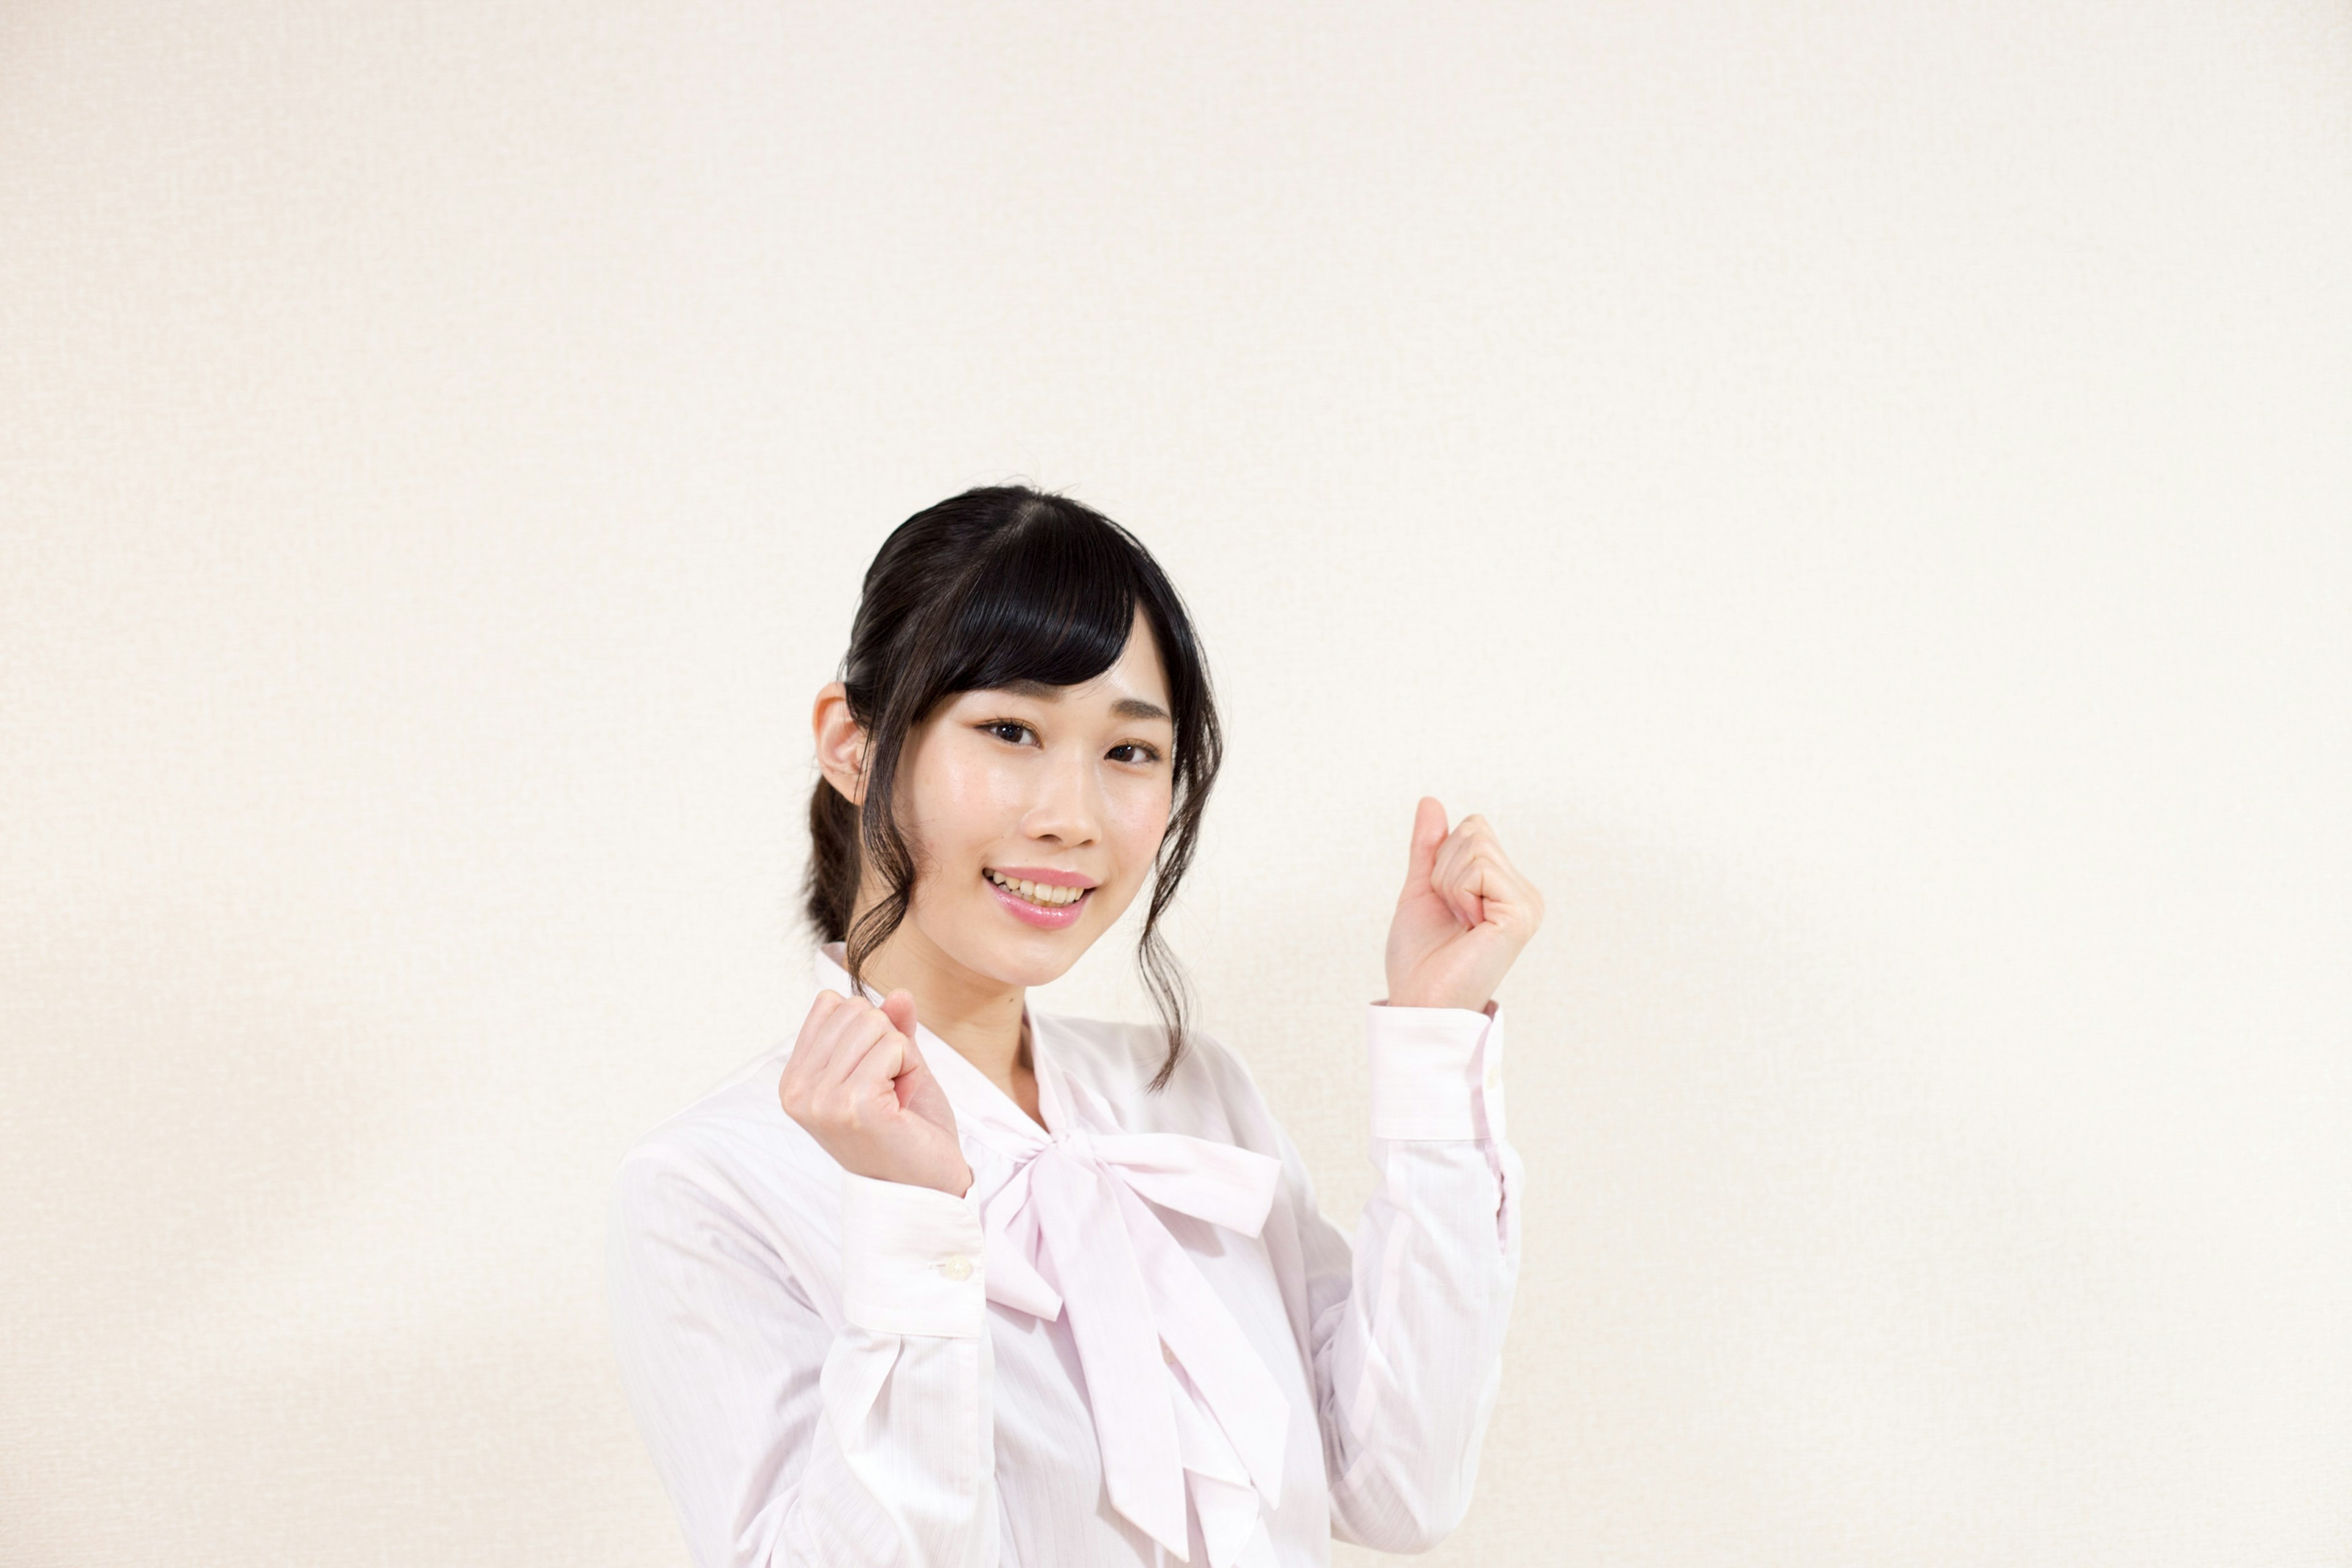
column 830, row 885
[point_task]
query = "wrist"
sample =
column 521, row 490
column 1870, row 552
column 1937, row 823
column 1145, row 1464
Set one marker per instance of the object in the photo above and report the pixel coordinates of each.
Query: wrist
column 912, row 1263
column 1412, row 999
column 955, row 1183
column 1436, row 1072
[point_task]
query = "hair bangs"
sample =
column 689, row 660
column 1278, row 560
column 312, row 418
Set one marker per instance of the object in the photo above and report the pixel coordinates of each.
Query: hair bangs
column 1055, row 602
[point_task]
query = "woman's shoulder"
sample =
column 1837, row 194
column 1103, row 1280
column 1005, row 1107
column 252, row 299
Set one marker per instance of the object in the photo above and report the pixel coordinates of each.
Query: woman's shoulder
column 732, row 1142
column 731, row 1192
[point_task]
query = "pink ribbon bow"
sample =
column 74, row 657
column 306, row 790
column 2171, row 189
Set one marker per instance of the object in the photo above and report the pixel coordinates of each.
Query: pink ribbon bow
column 1178, row 1391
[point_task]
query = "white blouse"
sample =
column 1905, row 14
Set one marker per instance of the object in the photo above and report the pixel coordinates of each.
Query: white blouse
column 1135, row 1340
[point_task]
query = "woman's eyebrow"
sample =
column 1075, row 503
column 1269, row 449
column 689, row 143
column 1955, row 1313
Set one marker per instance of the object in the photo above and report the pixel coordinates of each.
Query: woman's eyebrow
column 1125, row 707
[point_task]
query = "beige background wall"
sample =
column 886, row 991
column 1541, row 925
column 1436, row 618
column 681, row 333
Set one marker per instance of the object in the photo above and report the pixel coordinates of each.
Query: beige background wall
column 1859, row 495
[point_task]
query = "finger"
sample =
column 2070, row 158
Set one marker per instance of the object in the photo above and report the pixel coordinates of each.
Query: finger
column 1482, row 873
column 870, row 1082
column 1471, row 832
column 859, row 1033
column 1515, row 886
column 915, row 1080
column 1428, row 833
column 1441, row 886
column 1442, row 878
column 864, row 1097
column 914, row 1072
column 899, row 1008
column 813, row 1046
column 1509, row 899
column 1450, row 883
column 1474, row 836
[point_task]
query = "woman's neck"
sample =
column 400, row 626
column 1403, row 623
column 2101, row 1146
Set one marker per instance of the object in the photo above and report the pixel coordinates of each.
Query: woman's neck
column 979, row 1015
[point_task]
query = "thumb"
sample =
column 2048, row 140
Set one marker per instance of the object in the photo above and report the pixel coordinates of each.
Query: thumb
column 1428, row 833
column 917, row 1090
column 899, row 1008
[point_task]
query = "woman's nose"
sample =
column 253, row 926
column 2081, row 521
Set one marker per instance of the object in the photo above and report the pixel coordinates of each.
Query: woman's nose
column 1068, row 804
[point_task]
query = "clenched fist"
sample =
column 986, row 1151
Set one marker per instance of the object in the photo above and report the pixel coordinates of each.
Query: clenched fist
column 1463, row 915
column 858, row 1081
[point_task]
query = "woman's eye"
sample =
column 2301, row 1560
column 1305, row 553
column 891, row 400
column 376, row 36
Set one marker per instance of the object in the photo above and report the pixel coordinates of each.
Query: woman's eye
column 1013, row 733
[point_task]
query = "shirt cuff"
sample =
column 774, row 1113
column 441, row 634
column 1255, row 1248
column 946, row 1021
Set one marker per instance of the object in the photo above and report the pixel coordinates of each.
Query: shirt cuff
column 910, row 1259
column 1436, row 1072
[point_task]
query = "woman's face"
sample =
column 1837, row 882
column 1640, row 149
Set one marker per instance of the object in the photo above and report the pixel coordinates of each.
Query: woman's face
column 1067, row 788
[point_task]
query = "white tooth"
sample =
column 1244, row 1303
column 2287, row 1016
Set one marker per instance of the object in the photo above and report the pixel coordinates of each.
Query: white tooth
column 1049, row 894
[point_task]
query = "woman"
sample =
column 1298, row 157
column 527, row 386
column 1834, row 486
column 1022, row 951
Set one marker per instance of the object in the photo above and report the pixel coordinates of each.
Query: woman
column 951, row 1281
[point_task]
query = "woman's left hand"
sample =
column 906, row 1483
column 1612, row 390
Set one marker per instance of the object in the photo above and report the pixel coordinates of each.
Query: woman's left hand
column 1463, row 915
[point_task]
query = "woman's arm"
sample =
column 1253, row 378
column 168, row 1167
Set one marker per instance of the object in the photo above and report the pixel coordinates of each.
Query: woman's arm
column 784, row 1442
column 1406, row 1326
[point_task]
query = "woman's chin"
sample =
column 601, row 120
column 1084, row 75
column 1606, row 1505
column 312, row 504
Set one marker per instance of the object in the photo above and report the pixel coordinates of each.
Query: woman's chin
column 1020, row 954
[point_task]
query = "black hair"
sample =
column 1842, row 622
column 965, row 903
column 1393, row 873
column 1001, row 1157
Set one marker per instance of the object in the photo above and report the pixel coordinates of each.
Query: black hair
column 996, row 585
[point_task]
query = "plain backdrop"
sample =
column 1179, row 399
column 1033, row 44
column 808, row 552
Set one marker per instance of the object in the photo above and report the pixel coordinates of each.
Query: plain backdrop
column 1860, row 495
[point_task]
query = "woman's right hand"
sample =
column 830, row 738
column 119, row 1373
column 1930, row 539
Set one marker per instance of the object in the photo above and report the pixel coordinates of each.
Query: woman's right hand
column 858, row 1082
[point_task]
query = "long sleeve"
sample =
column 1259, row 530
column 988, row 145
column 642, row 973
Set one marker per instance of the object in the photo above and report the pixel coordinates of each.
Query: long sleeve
column 1407, row 1324
column 783, row 1440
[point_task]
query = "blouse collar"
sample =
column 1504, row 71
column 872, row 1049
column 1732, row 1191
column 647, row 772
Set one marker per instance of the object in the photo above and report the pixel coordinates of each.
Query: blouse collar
column 1069, row 1211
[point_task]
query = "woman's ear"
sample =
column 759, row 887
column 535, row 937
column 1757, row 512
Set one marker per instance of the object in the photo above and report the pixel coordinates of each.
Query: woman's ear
column 840, row 743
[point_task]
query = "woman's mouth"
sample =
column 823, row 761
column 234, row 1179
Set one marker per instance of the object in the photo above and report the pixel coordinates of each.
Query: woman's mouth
column 1042, row 904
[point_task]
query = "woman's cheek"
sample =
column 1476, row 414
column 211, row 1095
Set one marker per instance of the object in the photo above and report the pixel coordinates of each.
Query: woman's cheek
column 970, row 795
column 1143, row 823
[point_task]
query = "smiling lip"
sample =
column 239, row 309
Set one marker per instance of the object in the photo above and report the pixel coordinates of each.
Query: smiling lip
column 1044, row 917
column 1045, row 874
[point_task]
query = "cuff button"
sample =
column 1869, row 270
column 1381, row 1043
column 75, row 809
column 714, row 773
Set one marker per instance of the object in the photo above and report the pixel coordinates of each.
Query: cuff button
column 956, row 1267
